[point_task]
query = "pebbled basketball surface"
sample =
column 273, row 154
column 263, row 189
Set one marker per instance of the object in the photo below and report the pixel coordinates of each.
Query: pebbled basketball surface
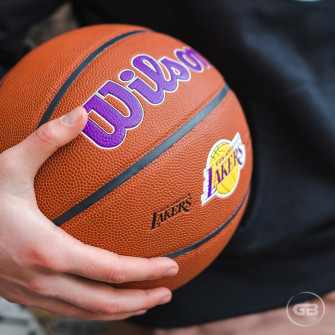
column 146, row 196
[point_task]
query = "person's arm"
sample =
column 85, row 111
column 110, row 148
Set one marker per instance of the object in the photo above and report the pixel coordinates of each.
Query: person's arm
column 43, row 266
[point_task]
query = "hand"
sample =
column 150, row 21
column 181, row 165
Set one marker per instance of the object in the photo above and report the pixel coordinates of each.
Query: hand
column 43, row 266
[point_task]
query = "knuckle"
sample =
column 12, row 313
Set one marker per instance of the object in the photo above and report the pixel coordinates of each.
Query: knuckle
column 147, row 298
column 45, row 134
column 109, row 308
column 151, row 275
column 36, row 286
column 47, row 262
column 117, row 275
column 40, row 258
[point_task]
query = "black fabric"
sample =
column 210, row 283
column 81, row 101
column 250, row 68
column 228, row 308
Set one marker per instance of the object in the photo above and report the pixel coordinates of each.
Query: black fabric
column 279, row 58
column 16, row 17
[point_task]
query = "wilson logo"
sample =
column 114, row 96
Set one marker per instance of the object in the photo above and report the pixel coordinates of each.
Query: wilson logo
column 177, row 70
column 181, row 206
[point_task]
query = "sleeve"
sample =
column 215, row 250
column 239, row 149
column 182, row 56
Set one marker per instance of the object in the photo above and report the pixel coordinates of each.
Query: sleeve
column 16, row 17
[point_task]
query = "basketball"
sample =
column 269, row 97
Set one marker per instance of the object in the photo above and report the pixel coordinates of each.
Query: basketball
column 164, row 163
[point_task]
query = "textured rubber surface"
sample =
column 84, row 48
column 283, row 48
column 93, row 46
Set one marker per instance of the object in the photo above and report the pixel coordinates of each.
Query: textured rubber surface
column 122, row 220
column 143, row 162
column 53, row 104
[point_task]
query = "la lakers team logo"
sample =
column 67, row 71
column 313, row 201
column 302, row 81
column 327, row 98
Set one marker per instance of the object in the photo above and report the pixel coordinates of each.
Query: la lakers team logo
column 222, row 172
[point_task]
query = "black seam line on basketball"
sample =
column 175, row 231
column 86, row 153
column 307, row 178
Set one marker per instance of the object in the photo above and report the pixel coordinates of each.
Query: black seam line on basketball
column 144, row 161
column 211, row 235
column 57, row 98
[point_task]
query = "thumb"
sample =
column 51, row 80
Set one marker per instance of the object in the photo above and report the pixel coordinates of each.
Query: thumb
column 32, row 152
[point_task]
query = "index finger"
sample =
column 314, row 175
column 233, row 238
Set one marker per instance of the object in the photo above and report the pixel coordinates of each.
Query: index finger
column 102, row 265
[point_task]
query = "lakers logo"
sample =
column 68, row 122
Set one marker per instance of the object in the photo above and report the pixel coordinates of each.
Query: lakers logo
column 222, row 171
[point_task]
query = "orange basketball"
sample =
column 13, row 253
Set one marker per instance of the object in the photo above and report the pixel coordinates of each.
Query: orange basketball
column 163, row 166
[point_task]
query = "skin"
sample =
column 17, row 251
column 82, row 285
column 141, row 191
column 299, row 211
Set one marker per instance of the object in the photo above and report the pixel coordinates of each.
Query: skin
column 43, row 266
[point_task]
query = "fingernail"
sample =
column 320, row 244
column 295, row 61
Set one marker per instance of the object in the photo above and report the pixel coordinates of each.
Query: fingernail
column 165, row 300
column 171, row 272
column 73, row 117
column 142, row 311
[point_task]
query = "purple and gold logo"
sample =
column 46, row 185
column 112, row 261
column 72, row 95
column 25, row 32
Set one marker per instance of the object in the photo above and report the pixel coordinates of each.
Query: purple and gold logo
column 222, row 172
column 178, row 70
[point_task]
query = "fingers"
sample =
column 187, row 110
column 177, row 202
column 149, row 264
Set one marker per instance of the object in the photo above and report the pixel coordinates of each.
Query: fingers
column 97, row 297
column 64, row 308
column 27, row 157
column 102, row 265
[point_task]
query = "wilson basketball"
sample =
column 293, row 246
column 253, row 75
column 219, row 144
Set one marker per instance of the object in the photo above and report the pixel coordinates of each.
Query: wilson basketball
column 163, row 166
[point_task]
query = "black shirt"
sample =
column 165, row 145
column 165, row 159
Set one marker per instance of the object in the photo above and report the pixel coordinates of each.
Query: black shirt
column 279, row 58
